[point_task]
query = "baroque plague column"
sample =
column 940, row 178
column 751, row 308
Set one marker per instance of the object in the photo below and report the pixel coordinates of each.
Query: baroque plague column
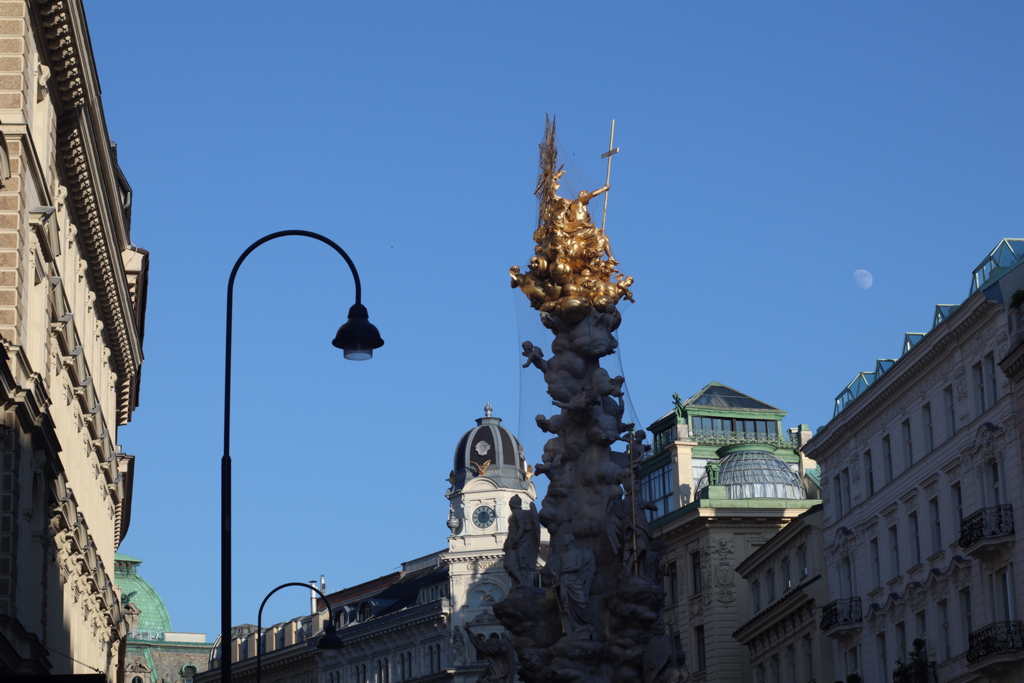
column 72, row 304
column 599, row 621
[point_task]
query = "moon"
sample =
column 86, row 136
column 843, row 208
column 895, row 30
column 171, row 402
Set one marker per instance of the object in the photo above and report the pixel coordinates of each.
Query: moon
column 863, row 278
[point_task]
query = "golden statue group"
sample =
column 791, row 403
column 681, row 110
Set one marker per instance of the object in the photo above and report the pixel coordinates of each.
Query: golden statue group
column 599, row 618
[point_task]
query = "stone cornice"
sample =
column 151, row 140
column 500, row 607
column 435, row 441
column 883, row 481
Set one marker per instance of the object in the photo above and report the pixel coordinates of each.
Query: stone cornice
column 88, row 166
column 920, row 358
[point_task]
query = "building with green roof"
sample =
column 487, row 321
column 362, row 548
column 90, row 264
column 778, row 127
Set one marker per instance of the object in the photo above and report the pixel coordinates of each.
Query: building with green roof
column 154, row 652
column 724, row 477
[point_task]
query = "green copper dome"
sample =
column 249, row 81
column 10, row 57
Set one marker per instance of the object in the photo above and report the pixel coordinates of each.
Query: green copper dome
column 153, row 618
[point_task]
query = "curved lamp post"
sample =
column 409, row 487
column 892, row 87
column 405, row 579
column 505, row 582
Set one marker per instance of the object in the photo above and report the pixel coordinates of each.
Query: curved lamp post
column 330, row 640
column 357, row 338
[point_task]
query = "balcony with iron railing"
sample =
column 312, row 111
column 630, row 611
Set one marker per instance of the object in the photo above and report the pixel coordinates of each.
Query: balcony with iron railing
column 916, row 672
column 841, row 615
column 996, row 645
column 987, row 530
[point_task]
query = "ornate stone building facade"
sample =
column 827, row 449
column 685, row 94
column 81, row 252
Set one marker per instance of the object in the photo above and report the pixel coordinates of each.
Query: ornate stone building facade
column 782, row 638
column 724, row 479
column 72, row 304
column 415, row 624
column 923, row 496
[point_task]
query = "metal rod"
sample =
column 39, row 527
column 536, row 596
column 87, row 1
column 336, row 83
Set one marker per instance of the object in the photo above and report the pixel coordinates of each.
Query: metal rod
column 608, row 176
column 225, row 463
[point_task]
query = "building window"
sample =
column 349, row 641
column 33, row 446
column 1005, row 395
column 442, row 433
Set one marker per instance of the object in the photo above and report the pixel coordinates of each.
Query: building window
column 936, row 524
column 787, row 580
column 901, row 640
column 926, row 421
column 657, row 488
column 887, row 457
column 699, row 656
column 773, row 669
column 846, row 578
column 993, row 485
column 844, row 480
column 949, row 408
column 769, row 580
column 883, row 655
column 876, row 574
column 908, row 446
column 978, row 382
column 695, row 572
column 808, row 658
column 801, row 554
column 837, row 500
column 958, row 504
column 791, row 662
column 989, row 366
column 755, row 595
column 673, row 584
column 921, row 625
column 894, row 552
column 967, row 619
column 944, row 644
column 869, row 473
column 915, row 537
column 852, row 661
column 1003, row 594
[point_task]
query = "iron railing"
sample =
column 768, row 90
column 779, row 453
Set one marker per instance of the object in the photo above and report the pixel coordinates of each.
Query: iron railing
column 1001, row 636
column 725, row 438
column 916, row 672
column 842, row 611
column 986, row 523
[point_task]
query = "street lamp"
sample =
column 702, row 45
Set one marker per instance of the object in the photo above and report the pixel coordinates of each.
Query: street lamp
column 330, row 640
column 357, row 338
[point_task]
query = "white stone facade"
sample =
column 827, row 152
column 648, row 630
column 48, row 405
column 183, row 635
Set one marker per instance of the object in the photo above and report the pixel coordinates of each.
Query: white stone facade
column 72, row 300
column 922, row 494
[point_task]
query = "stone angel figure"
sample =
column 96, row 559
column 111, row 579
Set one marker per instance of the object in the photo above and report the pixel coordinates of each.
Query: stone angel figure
column 522, row 545
column 501, row 658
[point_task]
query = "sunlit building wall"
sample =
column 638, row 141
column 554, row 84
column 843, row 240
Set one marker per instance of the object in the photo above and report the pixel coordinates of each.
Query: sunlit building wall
column 72, row 305
column 711, row 521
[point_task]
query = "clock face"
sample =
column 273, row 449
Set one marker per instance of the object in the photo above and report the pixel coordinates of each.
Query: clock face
column 483, row 516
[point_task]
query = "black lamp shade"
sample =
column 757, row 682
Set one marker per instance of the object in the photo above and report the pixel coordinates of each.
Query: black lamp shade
column 358, row 337
column 330, row 640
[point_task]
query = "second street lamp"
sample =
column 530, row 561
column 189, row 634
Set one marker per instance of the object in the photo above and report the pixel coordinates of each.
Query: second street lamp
column 357, row 338
column 330, row 640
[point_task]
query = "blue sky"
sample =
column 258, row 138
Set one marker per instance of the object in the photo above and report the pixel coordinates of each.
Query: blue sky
column 769, row 150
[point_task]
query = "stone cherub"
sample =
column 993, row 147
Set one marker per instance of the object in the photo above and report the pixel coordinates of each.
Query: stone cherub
column 501, row 658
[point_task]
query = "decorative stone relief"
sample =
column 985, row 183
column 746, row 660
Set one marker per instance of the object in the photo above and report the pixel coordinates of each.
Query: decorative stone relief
column 961, row 577
column 961, row 387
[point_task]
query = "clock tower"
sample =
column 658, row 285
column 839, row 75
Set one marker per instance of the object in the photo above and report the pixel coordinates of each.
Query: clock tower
column 489, row 470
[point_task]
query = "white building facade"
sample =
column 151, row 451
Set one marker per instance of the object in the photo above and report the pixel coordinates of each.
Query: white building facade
column 922, row 493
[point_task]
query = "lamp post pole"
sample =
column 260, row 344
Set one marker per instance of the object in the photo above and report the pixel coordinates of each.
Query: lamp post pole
column 357, row 337
column 329, row 640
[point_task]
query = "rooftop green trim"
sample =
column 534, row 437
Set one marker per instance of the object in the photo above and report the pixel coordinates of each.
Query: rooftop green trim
column 1007, row 254
column 998, row 262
